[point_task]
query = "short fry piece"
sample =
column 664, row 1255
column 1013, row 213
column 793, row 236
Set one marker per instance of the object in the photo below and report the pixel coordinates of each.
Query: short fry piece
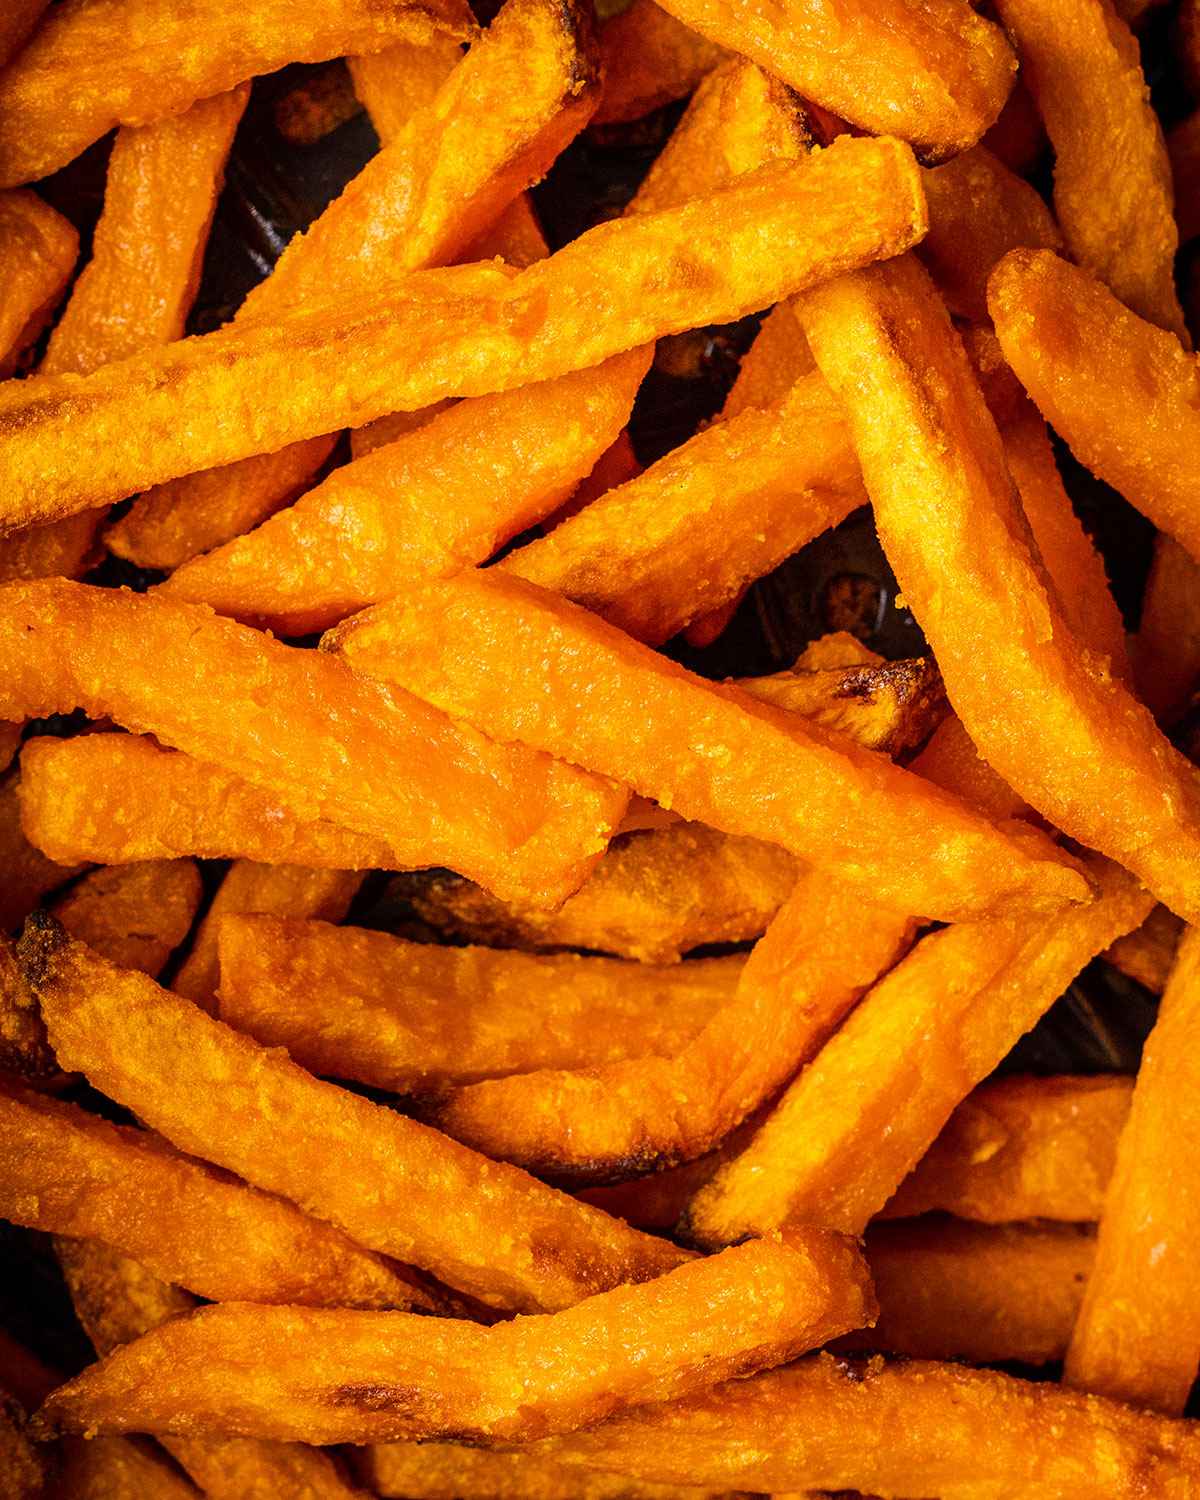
column 774, row 362
column 650, row 59
column 134, row 915
column 38, row 250
column 1148, row 953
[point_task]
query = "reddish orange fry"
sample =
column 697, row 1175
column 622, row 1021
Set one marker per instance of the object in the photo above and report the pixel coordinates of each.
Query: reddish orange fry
column 395, row 1185
column 1043, row 710
column 650, row 59
column 1022, row 1148
column 384, row 430
column 1112, row 176
column 29, row 875
column 70, row 1172
column 460, row 331
column 516, row 237
column 55, row 101
column 951, row 760
column 395, row 83
column 419, row 1017
column 281, row 890
column 303, row 728
column 1148, row 953
column 1167, row 648
column 1138, row 1334
column 135, row 915
column 851, row 1127
column 538, row 670
column 617, row 464
column 38, row 249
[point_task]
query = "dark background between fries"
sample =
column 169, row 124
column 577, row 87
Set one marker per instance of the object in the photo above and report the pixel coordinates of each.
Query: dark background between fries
column 842, row 581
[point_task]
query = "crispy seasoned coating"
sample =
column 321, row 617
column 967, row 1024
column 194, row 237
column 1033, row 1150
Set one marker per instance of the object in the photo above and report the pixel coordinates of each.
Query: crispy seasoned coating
column 1138, row 1334
column 91, row 66
column 400, row 1187
column 420, row 1017
column 29, row 875
column 287, row 1374
column 69, row 1172
column 1148, row 952
column 38, row 250
column 1045, row 711
column 303, row 728
column 1167, row 648
column 855, row 1122
column 650, row 59
column 136, row 915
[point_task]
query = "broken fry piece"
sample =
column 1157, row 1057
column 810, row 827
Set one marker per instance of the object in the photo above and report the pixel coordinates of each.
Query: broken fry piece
column 38, row 250
column 134, row 915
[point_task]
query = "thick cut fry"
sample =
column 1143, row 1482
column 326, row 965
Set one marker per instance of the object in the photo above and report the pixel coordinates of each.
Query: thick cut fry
column 539, row 670
column 1167, row 649
column 92, row 66
column 282, row 891
column 650, row 59
column 23, row 1469
column 1148, row 953
column 455, row 332
column 856, row 1121
column 1112, row 176
column 393, row 1184
column 395, row 83
column 1044, row 711
column 135, row 915
column 818, row 956
column 38, row 249
column 1138, row 1335
column 302, row 727
column 419, row 1017
column 69, row 1172
column 28, row 873
column 1022, row 1148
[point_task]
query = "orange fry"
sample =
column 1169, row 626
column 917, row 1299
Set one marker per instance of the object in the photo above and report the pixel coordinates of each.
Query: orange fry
column 650, row 59
column 112, row 1468
column 1167, row 650
column 395, row 1185
column 16, row 25
column 1043, row 710
column 395, row 83
column 302, row 727
column 38, row 250
column 29, row 875
column 1148, row 953
column 135, row 915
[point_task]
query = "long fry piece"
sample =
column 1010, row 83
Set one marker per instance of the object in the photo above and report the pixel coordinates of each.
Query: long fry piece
column 38, row 250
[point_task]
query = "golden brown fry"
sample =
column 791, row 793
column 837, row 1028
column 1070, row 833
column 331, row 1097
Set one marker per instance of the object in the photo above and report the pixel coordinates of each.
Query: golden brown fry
column 55, row 100
column 1021, row 1148
column 460, row 331
column 281, row 890
column 69, row 1172
column 650, row 59
column 335, row 1377
column 1044, row 710
column 420, row 1017
column 28, row 873
column 395, row 1185
column 1112, row 177
column 302, row 727
column 38, row 249
column 1167, row 649
column 395, row 83
column 1147, row 953
column 135, row 915
column 1138, row 1334
column 855, row 1122
column 774, row 362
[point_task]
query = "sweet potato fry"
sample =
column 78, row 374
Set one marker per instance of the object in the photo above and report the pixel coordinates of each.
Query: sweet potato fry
column 453, row 332
column 38, row 249
column 302, row 727
column 1138, row 1334
column 697, row 748
column 951, row 760
column 650, row 59
column 395, row 83
column 135, row 915
column 1044, row 710
column 331, row 1377
column 969, row 993
column 774, row 362
column 395, row 1185
column 1148, row 953
column 69, row 1172
column 1167, row 649
column 1022, row 1148
column 419, row 1017
column 1112, row 176
column 55, row 101
column 28, row 873
column 280, row 890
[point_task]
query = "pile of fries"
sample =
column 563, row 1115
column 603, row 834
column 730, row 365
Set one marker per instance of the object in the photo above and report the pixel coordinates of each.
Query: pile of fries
column 660, row 1150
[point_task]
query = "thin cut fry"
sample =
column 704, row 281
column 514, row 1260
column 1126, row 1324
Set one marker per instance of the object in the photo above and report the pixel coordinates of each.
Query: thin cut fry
column 57, row 98
column 333, row 1377
column 302, row 727
column 69, row 1172
column 1138, row 1335
column 420, row 1017
column 1044, row 711
column 1022, row 1148
column 28, row 873
column 281, row 890
column 38, row 250
column 1148, row 953
column 856, row 1121
column 1167, row 649
column 453, row 332
column 134, row 915
column 650, row 59
column 395, row 83
column 395, row 1185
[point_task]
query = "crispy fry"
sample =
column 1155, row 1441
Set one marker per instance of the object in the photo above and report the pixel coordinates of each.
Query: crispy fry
column 28, row 873
column 1147, row 953
column 823, row 1155
column 300, row 726
column 1112, row 176
column 395, row 83
column 419, row 1017
column 951, row 760
column 38, row 249
column 516, row 237
column 460, row 331
column 281, row 890
column 69, row 1172
column 1138, row 1334
column 774, row 362
column 386, row 1180
column 1044, row 710
column 353, row 1377
column 135, row 915
column 697, row 748
column 55, row 101
column 1021, row 1148
column 650, row 59
column 1167, row 649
